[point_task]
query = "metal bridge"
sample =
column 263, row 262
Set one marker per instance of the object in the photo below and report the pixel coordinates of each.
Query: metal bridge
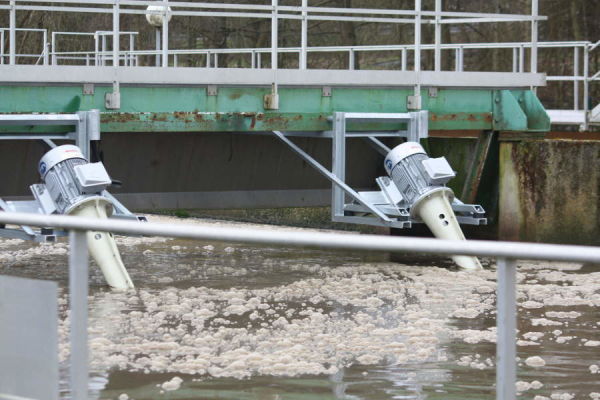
column 299, row 98
column 439, row 91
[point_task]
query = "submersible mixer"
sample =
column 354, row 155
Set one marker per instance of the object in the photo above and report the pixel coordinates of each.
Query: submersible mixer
column 422, row 183
column 75, row 187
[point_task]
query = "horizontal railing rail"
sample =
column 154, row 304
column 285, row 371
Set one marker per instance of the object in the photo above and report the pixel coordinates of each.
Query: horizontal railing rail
column 527, row 251
column 505, row 252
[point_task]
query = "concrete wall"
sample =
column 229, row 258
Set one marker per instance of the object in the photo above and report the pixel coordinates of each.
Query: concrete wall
column 549, row 191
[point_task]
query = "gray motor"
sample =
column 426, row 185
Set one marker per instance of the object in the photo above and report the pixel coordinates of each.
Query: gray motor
column 70, row 179
column 421, row 182
column 75, row 186
column 416, row 175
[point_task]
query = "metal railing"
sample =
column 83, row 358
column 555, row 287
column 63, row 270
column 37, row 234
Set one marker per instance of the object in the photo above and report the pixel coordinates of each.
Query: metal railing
column 581, row 77
column 43, row 54
column 100, row 53
column 506, row 253
column 276, row 13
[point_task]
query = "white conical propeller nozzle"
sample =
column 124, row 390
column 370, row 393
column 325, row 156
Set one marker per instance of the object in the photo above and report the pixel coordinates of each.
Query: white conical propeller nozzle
column 102, row 246
column 435, row 210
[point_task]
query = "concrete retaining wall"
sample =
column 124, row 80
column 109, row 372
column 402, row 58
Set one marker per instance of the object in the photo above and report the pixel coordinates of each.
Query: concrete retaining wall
column 549, row 191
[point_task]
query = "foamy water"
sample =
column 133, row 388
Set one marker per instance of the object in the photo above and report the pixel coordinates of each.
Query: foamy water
column 230, row 321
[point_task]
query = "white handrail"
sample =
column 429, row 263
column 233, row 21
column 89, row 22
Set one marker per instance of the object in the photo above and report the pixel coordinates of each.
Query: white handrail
column 514, row 250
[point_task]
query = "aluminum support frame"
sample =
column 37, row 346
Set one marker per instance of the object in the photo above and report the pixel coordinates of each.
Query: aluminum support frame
column 416, row 129
column 86, row 124
column 337, row 182
column 363, row 210
column 87, row 129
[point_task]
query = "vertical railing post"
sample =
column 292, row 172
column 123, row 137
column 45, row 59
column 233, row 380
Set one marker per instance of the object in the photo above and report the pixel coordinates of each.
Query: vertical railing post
column 351, row 59
column 165, row 34
column 338, row 161
column 515, row 59
column 45, row 47
column 96, row 48
column 586, row 85
column 131, row 48
column 274, row 35
column 404, row 58
column 78, row 292
column 1, row 46
column 12, row 49
column 534, row 35
column 103, row 50
column 506, row 324
column 522, row 58
column 304, row 36
column 116, row 35
column 576, row 79
column 438, row 36
column 53, row 48
column 457, row 59
column 417, row 66
column 157, row 46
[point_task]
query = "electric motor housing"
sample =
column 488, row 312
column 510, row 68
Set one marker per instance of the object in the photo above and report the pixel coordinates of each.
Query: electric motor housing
column 416, row 175
column 71, row 179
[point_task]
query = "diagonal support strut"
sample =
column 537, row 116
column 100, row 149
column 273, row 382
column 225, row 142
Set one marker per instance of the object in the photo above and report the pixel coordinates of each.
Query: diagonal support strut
column 315, row 164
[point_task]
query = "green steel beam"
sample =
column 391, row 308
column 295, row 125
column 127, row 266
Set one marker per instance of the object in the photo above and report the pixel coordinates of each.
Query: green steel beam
column 240, row 109
column 519, row 111
column 475, row 171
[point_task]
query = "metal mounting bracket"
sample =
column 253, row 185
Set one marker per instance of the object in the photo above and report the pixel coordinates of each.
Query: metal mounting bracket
column 41, row 205
column 86, row 126
column 414, row 102
column 271, row 100
column 212, row 90
column 366, row 208
column 112, row 101
column 383, row 208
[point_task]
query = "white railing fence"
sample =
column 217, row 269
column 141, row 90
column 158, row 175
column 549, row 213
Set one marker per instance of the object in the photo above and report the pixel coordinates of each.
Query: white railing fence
column 506, row 254
column 418, row 17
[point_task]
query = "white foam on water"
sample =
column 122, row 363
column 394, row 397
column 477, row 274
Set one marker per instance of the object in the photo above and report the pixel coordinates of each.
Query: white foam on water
column 173, row 384
column 535, row 361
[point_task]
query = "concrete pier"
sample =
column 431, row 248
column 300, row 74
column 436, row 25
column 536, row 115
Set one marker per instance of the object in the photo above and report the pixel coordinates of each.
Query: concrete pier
column 549, row 191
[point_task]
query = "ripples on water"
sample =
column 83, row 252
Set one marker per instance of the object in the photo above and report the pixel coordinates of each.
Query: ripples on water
column 246, row 322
